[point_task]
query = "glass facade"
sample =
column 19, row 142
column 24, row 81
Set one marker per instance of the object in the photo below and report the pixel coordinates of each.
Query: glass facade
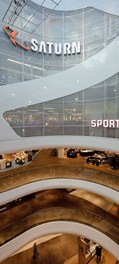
column 72, row 114
column 93, row 28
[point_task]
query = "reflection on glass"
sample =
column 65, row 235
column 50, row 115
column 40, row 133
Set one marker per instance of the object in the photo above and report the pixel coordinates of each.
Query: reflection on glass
column 94, row 29
column 69, row 115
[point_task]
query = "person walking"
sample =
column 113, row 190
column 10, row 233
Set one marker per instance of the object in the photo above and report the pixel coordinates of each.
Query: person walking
column 98, row 253
column 35, row 251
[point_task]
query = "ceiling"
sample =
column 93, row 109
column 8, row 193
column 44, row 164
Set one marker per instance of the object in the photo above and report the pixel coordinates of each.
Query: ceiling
column 65, row 5
column 28, row 15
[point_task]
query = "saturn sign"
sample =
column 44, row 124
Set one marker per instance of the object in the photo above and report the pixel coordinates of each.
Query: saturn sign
column 44, row 47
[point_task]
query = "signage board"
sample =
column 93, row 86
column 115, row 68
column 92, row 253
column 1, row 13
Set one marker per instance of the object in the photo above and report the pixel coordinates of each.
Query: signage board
column 114, row 123
column 44, row 47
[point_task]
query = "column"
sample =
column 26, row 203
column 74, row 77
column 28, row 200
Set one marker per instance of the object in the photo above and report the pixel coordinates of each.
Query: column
column 60, row 153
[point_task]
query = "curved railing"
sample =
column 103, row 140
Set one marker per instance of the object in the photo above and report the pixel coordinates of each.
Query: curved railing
column 67, row 215
column 18, row 220
column 50, row 177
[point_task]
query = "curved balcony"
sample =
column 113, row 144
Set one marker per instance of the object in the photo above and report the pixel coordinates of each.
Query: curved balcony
column 53, row 206
column 46, row 172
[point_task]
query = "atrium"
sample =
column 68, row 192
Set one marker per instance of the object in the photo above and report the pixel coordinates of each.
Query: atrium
column 59, row 131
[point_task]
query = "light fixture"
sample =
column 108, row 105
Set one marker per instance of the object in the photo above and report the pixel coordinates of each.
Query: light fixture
column 17, row 2
column 26, row 64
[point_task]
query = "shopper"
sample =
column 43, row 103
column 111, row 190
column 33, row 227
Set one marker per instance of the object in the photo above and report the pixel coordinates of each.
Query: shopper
column 98, row 253
column 35, row 251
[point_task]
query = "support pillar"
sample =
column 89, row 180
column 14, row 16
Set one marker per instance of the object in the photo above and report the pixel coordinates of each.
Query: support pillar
column 61, row 153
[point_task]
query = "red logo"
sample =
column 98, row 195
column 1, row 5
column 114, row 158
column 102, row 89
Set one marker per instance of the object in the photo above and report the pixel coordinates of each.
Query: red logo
column 11, row 33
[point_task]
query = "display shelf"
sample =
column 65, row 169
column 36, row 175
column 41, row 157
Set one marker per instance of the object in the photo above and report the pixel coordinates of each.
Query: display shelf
column 86, row 250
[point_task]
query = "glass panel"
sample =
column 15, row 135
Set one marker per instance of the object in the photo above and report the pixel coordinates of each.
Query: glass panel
column 94, row 93
column 73, row 113
column 76, row 97
column 53, row 130
column 53, row 26
column 111, row 91
column 30, row 27
column 53, row 113
column 28, row 12
column 110, row 109
column 37, row 18
column 73, row 130
column 93, row 110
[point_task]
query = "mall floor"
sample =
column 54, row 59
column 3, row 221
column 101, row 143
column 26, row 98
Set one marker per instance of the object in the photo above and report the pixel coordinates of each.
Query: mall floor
column 44, row 167
column 64, row 247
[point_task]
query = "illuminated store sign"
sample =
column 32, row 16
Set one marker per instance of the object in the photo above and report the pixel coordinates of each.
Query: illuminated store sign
column 44, row 47
column 105, row 123
column 57, row 48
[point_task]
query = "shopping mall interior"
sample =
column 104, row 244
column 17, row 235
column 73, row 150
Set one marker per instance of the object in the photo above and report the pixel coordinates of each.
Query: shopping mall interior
column 59, row 131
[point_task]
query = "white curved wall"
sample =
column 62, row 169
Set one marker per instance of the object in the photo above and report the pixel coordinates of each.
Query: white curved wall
column 100, row 143
column 59, row 227
column 13, row 194
column 96, row 69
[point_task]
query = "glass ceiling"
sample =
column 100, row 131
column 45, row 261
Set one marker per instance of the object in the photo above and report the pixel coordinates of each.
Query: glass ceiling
column 66, row 5
column 28, row 15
